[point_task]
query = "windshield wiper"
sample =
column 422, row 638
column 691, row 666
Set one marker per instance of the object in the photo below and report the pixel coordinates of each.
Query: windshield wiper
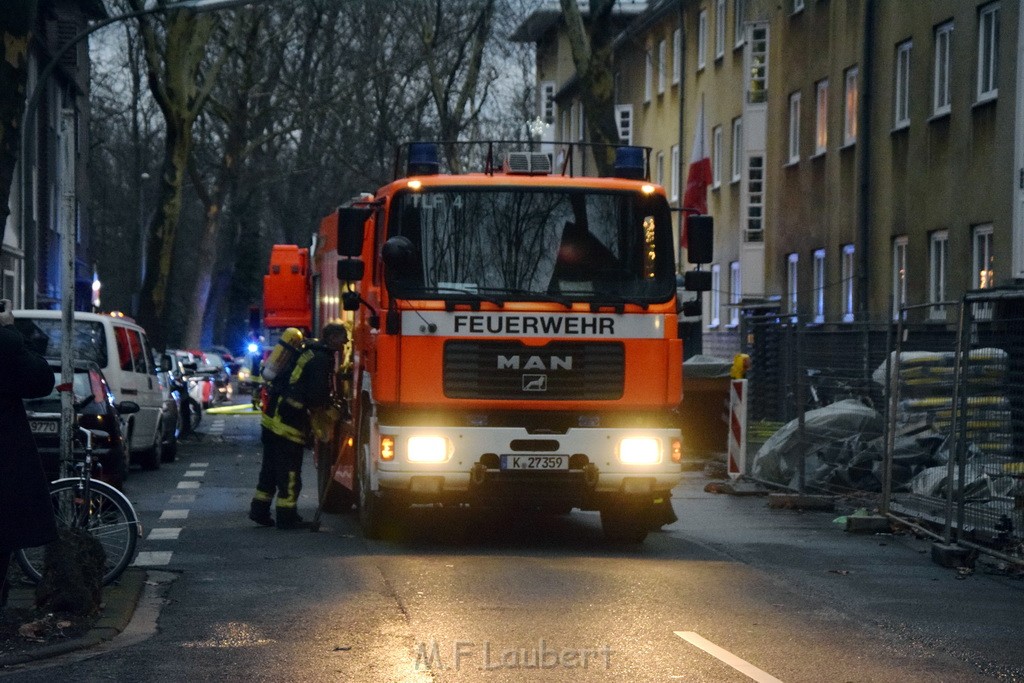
column 531, row 295
column 472, row 295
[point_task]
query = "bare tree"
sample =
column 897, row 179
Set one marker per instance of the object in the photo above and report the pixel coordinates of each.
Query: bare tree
column 591, row 41
column 180, row 78
column 16, row 22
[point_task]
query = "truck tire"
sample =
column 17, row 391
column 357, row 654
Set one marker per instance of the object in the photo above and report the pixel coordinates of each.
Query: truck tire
column 372, row 507
column 624, row 523
column 337, row 499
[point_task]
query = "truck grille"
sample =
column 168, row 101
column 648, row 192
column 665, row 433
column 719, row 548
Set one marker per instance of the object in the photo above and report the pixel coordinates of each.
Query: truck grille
column 558, row 371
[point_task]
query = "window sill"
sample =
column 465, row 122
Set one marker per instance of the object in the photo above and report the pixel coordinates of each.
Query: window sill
column 715, row 187
column 939, row 116
column 985, row 100
column 792, row 163
column 714, row 326
column 900, row 128
column 735, row 181
column 848, row 145
column 817, row 155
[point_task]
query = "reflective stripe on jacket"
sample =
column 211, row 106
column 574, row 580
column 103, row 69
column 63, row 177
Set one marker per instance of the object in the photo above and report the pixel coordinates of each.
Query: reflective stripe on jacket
column 286, row 415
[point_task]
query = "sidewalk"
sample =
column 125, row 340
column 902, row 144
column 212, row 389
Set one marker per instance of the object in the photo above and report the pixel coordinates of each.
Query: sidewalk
column 119, row 602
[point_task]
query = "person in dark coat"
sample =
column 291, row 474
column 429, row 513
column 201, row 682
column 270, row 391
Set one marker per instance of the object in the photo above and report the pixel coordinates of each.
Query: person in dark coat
column 27, row 518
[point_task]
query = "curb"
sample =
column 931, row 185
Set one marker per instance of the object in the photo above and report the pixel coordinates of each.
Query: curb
column 119, row 601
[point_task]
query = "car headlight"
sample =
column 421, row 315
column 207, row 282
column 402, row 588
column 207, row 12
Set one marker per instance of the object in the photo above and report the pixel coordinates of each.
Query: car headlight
column 429, row 449
column 640, row 450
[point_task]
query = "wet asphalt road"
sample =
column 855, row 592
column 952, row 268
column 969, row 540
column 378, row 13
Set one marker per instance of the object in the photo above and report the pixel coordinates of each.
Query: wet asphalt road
column 732, row 592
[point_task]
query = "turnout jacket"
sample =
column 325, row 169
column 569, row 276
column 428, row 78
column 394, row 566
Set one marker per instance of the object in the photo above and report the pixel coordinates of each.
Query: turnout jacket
column 308, row 388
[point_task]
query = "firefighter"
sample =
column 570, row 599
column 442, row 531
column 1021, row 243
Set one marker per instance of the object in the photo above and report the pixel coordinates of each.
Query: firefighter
column 286, row 428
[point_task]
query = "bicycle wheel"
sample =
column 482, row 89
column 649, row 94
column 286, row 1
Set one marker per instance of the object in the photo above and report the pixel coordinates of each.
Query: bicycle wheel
column 109, row 517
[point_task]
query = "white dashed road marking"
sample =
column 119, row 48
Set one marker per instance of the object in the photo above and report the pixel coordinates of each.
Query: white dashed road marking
column 164, row 534
column 188, row 484
column 720, row 653
column 174, row 514
column 151, row 558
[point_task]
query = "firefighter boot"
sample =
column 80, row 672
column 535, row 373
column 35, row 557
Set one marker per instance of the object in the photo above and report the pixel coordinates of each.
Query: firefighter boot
column 288, row 518
column 259, row 512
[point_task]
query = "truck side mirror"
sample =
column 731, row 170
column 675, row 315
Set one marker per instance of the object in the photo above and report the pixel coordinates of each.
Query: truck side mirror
column 350, row 269
column 697, row 281
column 350, row 229
column 700, row 236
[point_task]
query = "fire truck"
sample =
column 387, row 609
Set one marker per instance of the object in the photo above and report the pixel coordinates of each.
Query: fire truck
column 515, row 336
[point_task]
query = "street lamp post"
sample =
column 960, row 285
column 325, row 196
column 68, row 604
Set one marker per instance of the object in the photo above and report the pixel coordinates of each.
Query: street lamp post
column 67, row 248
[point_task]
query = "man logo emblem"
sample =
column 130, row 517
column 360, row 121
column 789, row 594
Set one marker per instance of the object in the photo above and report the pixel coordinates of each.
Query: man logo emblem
column 535, row 382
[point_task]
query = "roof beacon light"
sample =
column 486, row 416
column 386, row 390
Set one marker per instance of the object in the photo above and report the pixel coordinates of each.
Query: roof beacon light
column 629, row 163
column 423, row 159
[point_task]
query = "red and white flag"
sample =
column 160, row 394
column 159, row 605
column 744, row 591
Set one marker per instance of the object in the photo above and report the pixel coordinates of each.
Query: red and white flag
column 698, row 176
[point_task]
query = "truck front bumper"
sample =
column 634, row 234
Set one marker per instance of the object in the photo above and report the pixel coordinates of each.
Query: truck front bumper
column 476, row 465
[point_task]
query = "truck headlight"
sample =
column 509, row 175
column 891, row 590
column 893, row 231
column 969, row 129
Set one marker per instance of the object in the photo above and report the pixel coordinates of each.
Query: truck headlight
column 640, row 450
column 430, row 449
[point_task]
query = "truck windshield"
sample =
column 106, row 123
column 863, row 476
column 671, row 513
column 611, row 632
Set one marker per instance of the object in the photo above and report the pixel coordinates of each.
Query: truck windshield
column 534, row 243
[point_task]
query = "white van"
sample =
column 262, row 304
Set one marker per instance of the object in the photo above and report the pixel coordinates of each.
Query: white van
column 120, row 347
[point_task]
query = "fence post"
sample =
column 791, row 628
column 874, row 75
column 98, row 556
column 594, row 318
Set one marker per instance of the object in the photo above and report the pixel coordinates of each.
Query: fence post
column 892, row 386
column 953, row 441
column 801, row 400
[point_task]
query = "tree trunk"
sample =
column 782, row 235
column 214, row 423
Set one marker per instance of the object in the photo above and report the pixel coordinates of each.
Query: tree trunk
column 16, row 21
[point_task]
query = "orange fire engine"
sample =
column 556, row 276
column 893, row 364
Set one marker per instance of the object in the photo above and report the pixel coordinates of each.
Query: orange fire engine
column 515, row 337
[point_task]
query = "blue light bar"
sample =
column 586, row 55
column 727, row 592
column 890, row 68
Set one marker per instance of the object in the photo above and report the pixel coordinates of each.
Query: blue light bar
column 629, row 163
column 423, row 159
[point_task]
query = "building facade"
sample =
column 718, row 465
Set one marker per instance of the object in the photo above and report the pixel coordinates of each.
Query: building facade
column 50, row 181
column 866, row 154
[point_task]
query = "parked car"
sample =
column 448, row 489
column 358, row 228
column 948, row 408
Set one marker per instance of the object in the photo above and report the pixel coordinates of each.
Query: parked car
column 171, row 421
column 101, row 413
column 121, row 349
column 212, row 365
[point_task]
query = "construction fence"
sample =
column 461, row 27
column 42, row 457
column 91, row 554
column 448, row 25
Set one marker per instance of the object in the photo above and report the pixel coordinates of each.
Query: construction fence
column 922, row 417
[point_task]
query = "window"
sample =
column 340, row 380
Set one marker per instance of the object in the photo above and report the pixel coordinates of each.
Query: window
column 662, row 59
column 719, row 29
column 547, row 94
column 819, row 285
column 938, row 266
column 901, row 86
column 624, row 120
column 660, row 169
column 702, row 39
column 943, row 44
column 755, row 199
column 715, row 307
column 674, row 174
column 648, row 77
column 677, row 55
column 848, row 282
column 798, row 6
column 757, row 85
column 850, row 109
column 794, row 127
column 716, row 157
column 984, row 268
column 899, row 276
column 737, row 148
column 821, row 116
column 988, row 52
column 735, row 293
column 739, row 11
column 792, row 284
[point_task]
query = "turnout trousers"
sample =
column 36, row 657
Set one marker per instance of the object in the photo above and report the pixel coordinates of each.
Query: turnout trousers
column 280, row 473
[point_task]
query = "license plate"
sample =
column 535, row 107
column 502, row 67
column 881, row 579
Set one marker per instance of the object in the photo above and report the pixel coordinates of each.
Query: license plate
column 535, row 462
column 43, row 427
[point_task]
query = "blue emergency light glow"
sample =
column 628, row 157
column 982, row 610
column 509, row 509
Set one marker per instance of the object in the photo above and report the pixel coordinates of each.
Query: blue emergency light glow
column 423, row 158
column 629, row 163
column 253, row 348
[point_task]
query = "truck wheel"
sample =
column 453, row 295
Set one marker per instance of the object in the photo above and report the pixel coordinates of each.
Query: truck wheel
column 372, row 509
column 337, row 500
column 624, row 524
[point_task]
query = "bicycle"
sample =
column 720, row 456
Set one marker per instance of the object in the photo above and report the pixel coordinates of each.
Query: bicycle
column 80, row 502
